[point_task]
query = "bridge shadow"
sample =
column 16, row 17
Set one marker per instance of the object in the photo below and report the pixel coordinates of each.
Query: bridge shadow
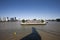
column 33, row 36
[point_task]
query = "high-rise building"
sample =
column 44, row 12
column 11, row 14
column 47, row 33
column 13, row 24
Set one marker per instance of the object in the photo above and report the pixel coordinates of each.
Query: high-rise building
column 4, row 19
column 7, row 18
column 12, row 19
column 15, row 18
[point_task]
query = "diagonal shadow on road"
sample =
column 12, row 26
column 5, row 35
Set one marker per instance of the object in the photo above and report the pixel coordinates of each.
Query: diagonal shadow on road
column 33, row 36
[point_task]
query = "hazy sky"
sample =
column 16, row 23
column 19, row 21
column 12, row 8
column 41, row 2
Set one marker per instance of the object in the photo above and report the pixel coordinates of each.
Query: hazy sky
column 29, row 9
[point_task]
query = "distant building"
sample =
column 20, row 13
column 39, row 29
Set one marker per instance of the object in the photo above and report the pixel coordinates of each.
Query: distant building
column 13, row 19
column 0, row 19
column 4, row 19
column 7, row 18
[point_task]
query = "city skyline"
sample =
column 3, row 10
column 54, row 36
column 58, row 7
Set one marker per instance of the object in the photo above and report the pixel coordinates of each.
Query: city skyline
column 30, row 9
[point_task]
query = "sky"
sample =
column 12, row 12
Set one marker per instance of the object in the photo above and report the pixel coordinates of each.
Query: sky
column 30, row 9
